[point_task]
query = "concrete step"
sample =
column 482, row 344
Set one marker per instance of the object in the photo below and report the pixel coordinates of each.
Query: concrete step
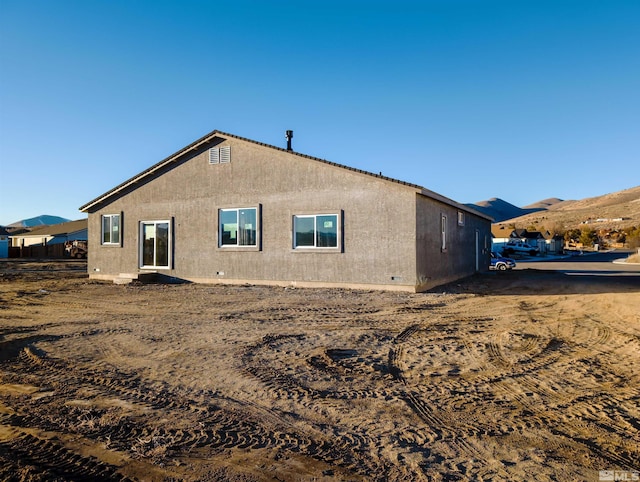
column 127, row 278
column 122, row 281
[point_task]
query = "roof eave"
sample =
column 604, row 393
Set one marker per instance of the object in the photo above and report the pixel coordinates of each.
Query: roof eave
column 147, row 172
column 451, row 202
column 216, row 133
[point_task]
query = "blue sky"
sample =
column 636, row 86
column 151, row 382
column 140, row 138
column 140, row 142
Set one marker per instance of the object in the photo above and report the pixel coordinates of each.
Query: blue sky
column 521, row 100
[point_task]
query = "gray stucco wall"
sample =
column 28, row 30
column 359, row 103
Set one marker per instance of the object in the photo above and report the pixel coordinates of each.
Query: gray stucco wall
column 379, row 218
column 464, row 253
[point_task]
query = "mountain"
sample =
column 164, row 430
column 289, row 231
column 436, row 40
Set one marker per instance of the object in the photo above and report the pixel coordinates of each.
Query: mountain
column 620, row 209
column 544, row 204
column 501, row 210
column 42, row 220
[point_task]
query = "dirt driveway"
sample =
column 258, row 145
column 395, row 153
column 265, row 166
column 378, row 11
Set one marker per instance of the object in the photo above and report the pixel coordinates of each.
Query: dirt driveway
column 524, row 375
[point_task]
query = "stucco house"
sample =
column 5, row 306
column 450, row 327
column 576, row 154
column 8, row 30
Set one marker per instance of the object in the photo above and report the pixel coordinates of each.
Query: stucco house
column 501, row 235
column 226, row 209
column 52, row 234
column 553, row 242
column 546, row 242
column 47, row 241
column 532, row 238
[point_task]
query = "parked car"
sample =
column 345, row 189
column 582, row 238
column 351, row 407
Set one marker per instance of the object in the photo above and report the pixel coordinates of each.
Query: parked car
column 519, row 247
column 501, row 263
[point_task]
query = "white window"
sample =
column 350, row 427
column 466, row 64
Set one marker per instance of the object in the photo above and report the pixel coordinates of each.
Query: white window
column 111, row 229
column 220, row 155
column 460, row 218
column 443, row 230
column 238, row 227
column 155, row 244
column 315, row 231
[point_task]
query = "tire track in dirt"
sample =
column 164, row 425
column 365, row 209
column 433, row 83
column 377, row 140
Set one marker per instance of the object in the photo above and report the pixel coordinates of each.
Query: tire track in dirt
column 396, row 352
column 432, row 367
column 219, row 428
column 345, row 449
column 286, row 313
column 395, row 355
column 505, row 396
column 442, row 425
column 495, row 353
column 273, row 378
column 114, row 382
column 12, row 348
column 522, row 386
column 419, row 309
column 283, row 384
column 487, row 358
column 48, row 457
column 329, row 362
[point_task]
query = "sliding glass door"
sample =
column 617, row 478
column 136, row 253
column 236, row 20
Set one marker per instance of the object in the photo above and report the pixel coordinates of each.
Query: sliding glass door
column 155, row 244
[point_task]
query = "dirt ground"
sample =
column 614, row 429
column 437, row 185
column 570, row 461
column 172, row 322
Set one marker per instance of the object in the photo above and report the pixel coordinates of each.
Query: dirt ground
column 522, row 375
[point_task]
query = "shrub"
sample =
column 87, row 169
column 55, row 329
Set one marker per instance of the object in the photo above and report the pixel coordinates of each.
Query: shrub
column 633, row 237
column 588, row 237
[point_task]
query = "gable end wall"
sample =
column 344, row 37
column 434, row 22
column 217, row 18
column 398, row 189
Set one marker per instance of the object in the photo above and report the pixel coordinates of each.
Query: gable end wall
column 379, row 219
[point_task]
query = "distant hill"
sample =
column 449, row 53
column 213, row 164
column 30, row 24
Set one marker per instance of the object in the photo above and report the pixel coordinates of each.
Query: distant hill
column 501, row 210
column 614, row 210
column 544, row 204
column 42, row 220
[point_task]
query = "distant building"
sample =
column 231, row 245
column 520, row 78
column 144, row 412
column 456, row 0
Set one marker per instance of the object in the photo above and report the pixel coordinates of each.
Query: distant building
column 54, row 234
column 4, row 243
column 546, row 242
column 47, row 241
column 500, row 235
column 553, row 243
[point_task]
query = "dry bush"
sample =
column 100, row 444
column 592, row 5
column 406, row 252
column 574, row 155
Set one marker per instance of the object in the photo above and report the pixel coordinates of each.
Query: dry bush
column 634, row 258
column 155, row 448
column 92, row 419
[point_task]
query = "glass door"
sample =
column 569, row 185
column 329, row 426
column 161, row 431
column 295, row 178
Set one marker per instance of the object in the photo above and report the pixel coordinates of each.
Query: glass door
column 155, row 244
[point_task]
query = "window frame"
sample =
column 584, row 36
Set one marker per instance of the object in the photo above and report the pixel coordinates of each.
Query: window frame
column 169, row 264
column 119, row 231
column 461, row 217
column 315, row 248
column 443, row 233
column 241, row 247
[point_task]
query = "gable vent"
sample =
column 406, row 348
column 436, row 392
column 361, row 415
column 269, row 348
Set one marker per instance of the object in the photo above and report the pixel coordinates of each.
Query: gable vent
column 225, row 155
column 220, row 155
column 214, row 155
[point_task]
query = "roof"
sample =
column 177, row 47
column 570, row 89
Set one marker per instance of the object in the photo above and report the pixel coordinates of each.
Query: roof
column 550, row 235
column 532, row 235
column 177, row 156
column 501, row 231
column 56, row 229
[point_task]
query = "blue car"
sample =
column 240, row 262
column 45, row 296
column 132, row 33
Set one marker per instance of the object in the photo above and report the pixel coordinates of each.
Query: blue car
column 500, row 263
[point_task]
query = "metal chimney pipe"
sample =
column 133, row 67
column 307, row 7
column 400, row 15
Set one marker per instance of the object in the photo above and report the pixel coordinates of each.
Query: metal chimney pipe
column 289, row 136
